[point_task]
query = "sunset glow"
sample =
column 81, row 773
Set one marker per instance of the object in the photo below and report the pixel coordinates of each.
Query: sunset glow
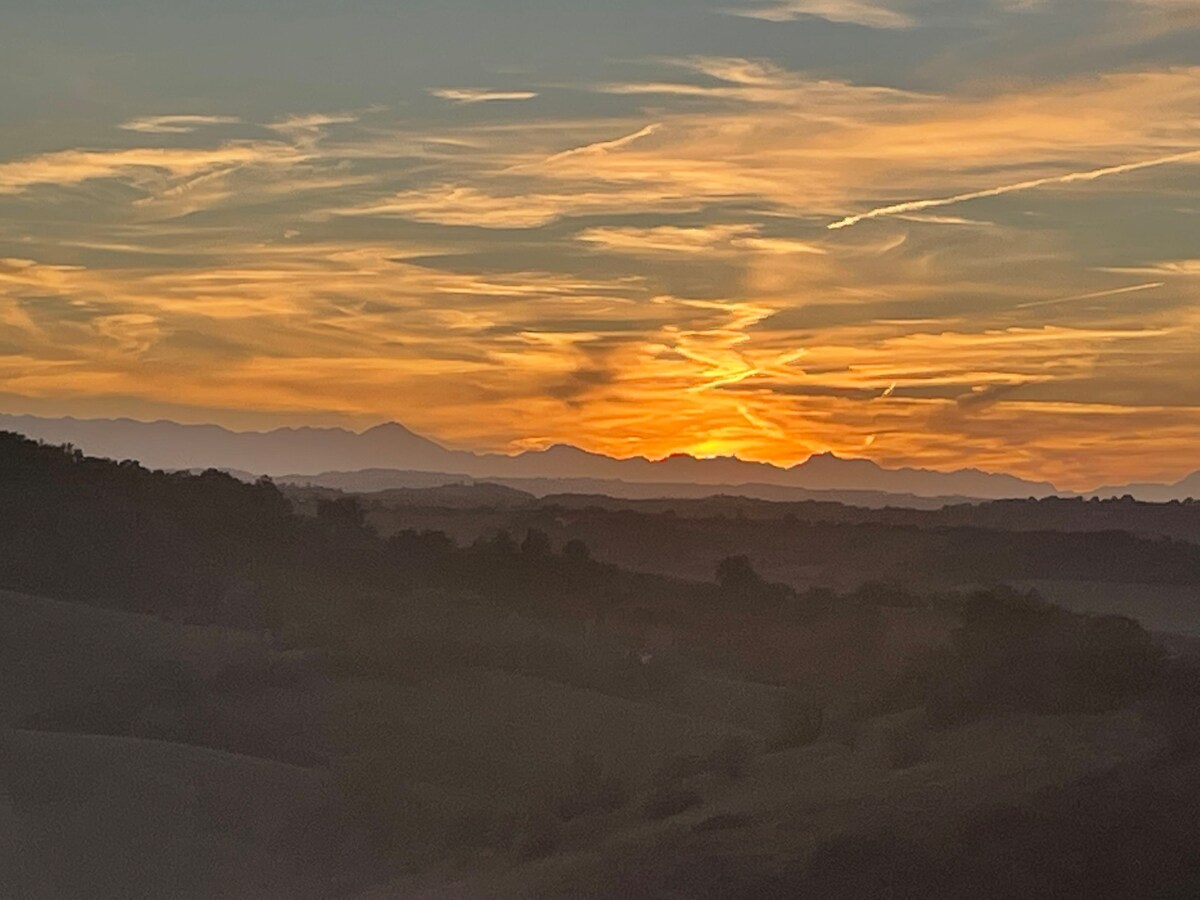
column 942, row 234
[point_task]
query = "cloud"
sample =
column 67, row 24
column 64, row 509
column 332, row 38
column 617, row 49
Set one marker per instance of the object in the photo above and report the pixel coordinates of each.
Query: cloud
column 141, row 164
column 467, row 206
column 778, row 246
column 857, row 12
column 982, row 397
column 718, row 301
column 176, row 124
column 479, row 95
column 665, row 239
column 1069, row 178
column 1175, row 268
column 944, row 220
column 705, row 240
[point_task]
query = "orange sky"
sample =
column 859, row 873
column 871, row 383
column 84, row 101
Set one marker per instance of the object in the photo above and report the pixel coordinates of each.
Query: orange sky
column 894, row 230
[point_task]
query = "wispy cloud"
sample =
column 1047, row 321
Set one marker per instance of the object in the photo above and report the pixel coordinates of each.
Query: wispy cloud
column 480, row 95
column 176, row 124
column 162, row 272
column 73, row 167
column 1176, row 267
column 857, row 12
column 705, row 240
column 944, row 220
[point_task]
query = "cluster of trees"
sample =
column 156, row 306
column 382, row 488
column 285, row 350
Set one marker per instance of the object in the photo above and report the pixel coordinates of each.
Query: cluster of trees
column 120, row 535
column 1015, row 652
column 219, row 549
column 957, row 546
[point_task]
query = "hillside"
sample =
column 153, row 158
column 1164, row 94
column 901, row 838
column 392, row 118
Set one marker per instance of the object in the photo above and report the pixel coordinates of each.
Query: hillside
column 835, row 547
column 307, row 709
column 1177, row 520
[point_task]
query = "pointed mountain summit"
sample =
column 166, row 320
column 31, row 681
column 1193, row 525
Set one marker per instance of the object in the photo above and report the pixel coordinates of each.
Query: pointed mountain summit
column 396, row 435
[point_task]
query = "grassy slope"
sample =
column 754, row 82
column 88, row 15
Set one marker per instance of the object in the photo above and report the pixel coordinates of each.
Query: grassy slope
column 796, row 799
column 476, row 740
column 109, row 817
column 53, row 652
column 162, row 819
column 88, row 816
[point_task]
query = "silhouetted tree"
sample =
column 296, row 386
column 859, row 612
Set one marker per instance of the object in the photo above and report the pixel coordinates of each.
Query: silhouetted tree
column 502, row 543
column 344, row 512
column 736, row 576
column 536, row 544
column 577, row 551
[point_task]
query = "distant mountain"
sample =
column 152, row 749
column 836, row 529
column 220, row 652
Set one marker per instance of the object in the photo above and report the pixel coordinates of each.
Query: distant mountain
column 475, row 495
column 387, row 481
column 1188, row 488
column 169, row 445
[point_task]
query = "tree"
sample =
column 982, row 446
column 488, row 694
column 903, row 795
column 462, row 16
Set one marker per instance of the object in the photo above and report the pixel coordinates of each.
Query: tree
column 345, row 512
column 536, row 544
column 502, row 543
column 736, row 576
column 577, row 551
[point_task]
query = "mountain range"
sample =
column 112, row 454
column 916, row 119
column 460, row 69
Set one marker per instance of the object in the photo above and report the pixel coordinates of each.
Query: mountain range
column 299, row 452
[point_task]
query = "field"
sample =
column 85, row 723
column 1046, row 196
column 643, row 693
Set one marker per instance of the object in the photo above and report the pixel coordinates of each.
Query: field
column 470, row 759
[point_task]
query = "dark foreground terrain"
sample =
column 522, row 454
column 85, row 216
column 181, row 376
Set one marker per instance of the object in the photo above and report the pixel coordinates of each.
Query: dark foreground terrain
column 207, row 691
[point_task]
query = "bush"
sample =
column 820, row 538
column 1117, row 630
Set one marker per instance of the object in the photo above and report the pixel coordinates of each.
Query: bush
column 731, row 759
column 594, row 792
column 904, row 745
column 669, row 801
column 800, row 722
column 480, row 829
column 679, row 768
column 541, row 837
column 724, row 822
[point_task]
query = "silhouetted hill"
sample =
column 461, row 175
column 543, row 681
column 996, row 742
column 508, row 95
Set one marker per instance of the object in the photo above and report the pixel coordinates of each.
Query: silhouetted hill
column 170, row 445
column 1178, row 520
column 459, row 496
column 519, row 699
column 369, row 481
column 1185, row 489
column 821, row 550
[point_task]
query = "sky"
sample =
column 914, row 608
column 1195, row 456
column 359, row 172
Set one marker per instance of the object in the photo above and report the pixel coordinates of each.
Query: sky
column 941, row 233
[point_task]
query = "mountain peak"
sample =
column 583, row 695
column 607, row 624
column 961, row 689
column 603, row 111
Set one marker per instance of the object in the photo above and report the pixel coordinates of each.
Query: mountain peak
column 391, row 427
column 395, row 433
column 830, row 460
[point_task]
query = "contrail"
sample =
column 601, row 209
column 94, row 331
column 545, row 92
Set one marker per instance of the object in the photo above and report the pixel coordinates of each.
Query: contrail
column 917, row 205
column 1133, row 288
column 605, row 146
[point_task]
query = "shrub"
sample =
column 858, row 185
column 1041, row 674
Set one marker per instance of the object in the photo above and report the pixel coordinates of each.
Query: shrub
column 480, row 829
column 679, row 768
column 541, row 837
column 594, row 792
column 724, row 822
column 731, row 759
column 669, row 801
column 800, row 722
column 904, row 745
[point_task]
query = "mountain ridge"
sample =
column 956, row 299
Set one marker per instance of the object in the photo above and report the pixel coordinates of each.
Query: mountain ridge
column 308, row 450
